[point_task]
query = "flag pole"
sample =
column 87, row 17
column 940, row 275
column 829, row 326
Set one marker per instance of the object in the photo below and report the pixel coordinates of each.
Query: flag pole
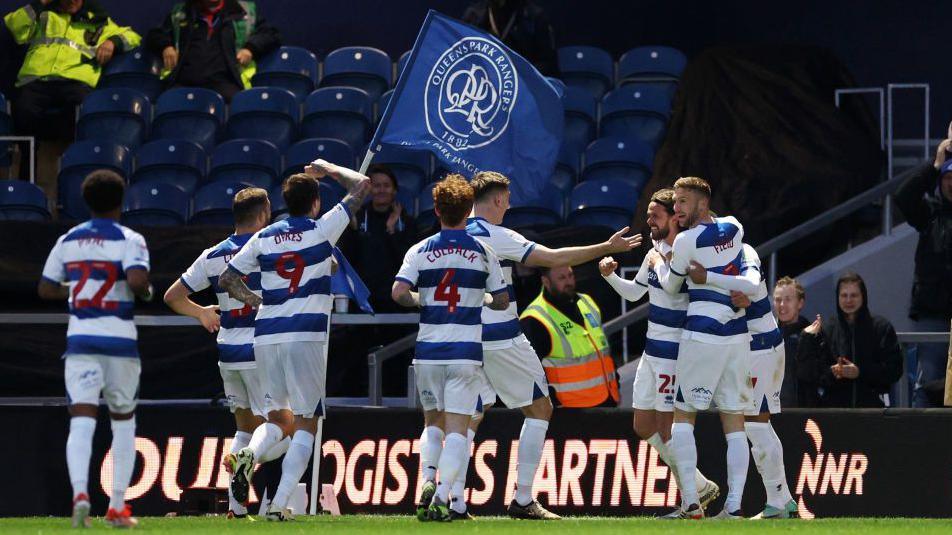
column 366, row 163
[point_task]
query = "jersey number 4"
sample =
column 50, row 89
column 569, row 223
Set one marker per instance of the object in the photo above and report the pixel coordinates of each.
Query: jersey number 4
column 85, row 271
column 448, row 291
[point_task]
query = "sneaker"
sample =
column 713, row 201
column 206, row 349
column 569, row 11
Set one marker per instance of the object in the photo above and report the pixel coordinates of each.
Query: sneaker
column 438, row 511
column 729, row 515
column 455, row 515
column 708, row 494
column 121, row 519
column 532, row 511
column 693, row 512
column 673, row 515
column 242, row 465
column 81, row 511
column 770, row 512
column 426, row 496
column 278, row 515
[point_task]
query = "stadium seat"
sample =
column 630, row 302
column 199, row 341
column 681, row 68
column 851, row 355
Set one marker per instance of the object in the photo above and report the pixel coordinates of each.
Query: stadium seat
column 170, row 161
column 619, row 158
column 565, row 174
column 412, row 167
column 190, row 113
column 154, row 204
column 251, row 161
column 368, row 68
column 382, row 104
column 401, row 63
column 268, row 113
column 136, row 69
column 636, row 110
column 80, row 159
column 119, row 115
column 343, row 113
column 211, row 204
column 22, row 201
column 546, row 211
column 330, row 196
column 307, row 150
column 426, row 217
column 658, row 64
column 588, row 68
column 289, row 67
column 6, row 129
column 606, row 203
column 279, row 209
column 581, row 112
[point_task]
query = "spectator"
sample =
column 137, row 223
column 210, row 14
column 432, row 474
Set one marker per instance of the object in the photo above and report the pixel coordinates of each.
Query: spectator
column 522, row 25
column 384, row 233
column 212, row 44
column 68, row 43
column 789, row 298
column 565, row 329
column 853, row 359
column 925, row 198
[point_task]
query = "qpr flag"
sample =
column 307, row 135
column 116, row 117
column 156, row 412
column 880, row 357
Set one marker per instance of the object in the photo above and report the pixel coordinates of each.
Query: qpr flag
column 476, row 105
column 347, row 282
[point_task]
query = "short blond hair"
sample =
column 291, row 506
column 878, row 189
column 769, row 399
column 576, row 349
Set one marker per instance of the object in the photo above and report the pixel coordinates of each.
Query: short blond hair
column 788, row 281
column 694, row 183
column 247, row 203
column 487, row 182
column 453, row 199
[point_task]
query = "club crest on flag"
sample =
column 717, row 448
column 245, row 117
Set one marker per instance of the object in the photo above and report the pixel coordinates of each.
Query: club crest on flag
column 470, row 94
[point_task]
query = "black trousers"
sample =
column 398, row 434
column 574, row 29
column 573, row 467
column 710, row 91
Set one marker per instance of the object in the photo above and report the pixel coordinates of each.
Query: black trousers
column 47, row 108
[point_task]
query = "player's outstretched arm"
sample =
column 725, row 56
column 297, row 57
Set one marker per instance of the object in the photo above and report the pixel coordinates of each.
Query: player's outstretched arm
column 631, row 290
column 230, row 281
column 542, row 256
column 403, row 296
column 52, row 292
column 356, row 184
column 177, row 298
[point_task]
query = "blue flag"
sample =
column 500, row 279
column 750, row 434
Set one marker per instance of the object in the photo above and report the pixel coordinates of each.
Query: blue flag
column 476, row 105
column 346, row 282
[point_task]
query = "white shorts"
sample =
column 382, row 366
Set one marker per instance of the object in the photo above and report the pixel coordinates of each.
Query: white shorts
column 293, row 376
column 117, row 378
column 516, row 373
column 487, row 396
column 712, row 372
column 654, row 384
column 766, row 376
column 243, row 390
column 451, row 388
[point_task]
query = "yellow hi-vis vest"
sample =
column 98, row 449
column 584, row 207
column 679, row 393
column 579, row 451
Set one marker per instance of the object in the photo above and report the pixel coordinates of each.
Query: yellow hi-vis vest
column 64, row 46
column 579, row 367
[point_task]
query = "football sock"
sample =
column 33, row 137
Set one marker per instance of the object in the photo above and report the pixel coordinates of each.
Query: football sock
column 452, row 459
column 684, row 451
column 458, row 501
column 240, row 441
column 276, row 451
column 123, row 459
column 431, row 446
column 79, row 447
column 780, row 470
column 768, row 457
column 531, row 442
column 738, row 460
column 264, row 438
column 293, row 467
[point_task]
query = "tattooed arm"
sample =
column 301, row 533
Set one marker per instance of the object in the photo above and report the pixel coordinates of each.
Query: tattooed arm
column 230, row 281
column 356, row 184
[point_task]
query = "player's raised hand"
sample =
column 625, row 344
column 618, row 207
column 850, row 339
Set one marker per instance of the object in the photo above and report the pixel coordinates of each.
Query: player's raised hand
column 320, row 168
column 697, row 273
column 210, row 318
column 607, row 266
column 619, row 243
column 814, row 327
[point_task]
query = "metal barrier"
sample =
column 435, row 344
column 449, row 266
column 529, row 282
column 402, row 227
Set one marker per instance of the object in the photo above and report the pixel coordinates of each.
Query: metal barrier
column 32, row 142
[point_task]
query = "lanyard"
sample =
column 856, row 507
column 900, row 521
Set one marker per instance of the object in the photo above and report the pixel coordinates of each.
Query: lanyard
column 495, row 29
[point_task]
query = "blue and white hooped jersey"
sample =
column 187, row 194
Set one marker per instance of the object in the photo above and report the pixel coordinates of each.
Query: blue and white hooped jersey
column 294, row 258
column 764, row 332
column 718, row 246
column 500, row 327
column 666, row 312
column 452, row 272
column 93, row 258
column 237, row 334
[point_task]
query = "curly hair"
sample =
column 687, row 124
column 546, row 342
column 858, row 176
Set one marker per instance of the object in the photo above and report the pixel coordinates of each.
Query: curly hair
column 453, row 199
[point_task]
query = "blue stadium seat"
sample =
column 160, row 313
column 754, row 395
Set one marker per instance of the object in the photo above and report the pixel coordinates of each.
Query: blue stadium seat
column 338, row 112
column 588, row 68
column 119, row 115
column 359, row 66
column 307, row 150
column 330, row 196
column 80, row 159
column 606, row 203
column 636, row 110
column 6, row 129
column 382, row 104
column 154, row 204
column 289, row 67
column 170, row 161
column 619, row 158
column 401, row 63
column 581, row 112
column 268, row 113
column 211, row 204
column 426, row 217
column 279, row 209
column 22, row 201
column 251, row 161
column 412, row 167
column 546, row 211
column 191, row 113
column 565, row 174
column 136, row 69
column 657, row 64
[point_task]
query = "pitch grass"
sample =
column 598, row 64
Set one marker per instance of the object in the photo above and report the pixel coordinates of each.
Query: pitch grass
column 398, row 525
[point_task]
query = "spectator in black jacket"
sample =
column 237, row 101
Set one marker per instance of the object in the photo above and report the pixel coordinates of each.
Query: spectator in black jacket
column 853, row 359
column 522, row 24
column 213, row 44
column 925, row 199
column 789, row 298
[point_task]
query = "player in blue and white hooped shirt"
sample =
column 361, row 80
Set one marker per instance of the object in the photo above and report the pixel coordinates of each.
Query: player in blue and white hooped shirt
column 294, row 257
column 653, row 390
column 455, row 276
column 513, row 369
column 712, row 355
column 100, row 266
column 766, row 368
column 235, row 327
